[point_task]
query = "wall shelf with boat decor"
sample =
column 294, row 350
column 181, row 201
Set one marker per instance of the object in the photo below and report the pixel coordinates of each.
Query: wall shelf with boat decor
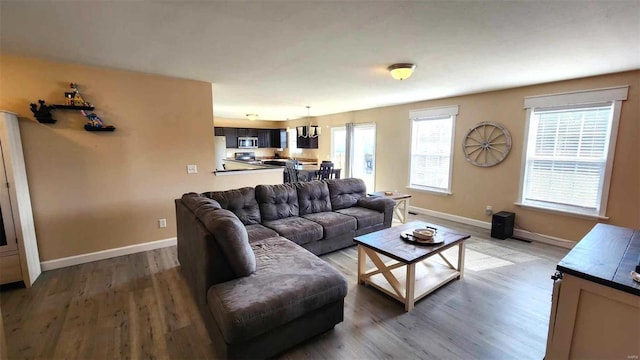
column 74, row 101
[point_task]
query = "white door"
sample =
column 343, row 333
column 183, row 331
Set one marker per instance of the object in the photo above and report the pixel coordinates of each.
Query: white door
column 339, row 148
column 363, row 154
column 8, row 240
column 353, row 149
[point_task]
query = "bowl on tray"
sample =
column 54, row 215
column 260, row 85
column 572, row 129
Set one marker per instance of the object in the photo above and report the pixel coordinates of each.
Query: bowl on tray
column 424, row 235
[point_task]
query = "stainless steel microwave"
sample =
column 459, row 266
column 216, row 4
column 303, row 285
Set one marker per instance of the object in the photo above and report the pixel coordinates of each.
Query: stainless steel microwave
column 248, row 142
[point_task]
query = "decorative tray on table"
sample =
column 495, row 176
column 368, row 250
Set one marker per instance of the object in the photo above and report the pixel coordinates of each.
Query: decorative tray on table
column 426, row 236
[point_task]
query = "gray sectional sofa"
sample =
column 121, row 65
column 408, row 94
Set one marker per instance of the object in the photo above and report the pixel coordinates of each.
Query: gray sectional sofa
column 249, row 258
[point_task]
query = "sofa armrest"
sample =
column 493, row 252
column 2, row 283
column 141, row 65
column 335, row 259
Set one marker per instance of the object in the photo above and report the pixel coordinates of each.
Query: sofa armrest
column 381, row 204
column 201, row 259
column 378, row 203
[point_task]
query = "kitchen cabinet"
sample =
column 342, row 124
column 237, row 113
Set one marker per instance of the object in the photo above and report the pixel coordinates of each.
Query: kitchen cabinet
column 264, row 138
column 278, row 138
column 595, row 307
column 243, row 132
column 267, row 138
column 275, row 138
column 231, row 135
column 19, row 259
column 307, row 142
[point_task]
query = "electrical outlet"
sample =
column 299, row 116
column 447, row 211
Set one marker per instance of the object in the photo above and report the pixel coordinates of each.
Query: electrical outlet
column 192, row 169
column 162, row 223
column 488, row 210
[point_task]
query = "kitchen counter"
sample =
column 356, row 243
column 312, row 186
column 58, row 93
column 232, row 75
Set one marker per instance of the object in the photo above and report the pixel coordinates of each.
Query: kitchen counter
column 282, row 162
column 606, row 255
column 233, row 166
column 595, row 303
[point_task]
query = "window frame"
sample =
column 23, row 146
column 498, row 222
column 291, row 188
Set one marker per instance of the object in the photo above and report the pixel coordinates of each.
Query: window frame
column 292, row 137
column 426, row 115
column 574, row 100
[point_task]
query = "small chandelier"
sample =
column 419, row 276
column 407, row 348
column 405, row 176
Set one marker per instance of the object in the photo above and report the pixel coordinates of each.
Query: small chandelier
column 309, row 131
column 401, row 71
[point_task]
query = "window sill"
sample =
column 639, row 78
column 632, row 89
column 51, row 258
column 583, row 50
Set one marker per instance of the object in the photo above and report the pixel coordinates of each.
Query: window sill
column 563, row 212
column 430, row 191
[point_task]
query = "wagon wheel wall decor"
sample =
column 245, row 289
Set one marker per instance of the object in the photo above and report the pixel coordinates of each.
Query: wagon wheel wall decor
column 486, row 144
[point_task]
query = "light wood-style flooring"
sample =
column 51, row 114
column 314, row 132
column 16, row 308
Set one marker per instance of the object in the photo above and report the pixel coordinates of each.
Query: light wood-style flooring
column 138, row 307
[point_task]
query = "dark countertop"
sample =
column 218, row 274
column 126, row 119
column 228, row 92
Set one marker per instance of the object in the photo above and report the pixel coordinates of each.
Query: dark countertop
column 283, row 161
column 258, row 165
column 606, row 255
column 247, row 166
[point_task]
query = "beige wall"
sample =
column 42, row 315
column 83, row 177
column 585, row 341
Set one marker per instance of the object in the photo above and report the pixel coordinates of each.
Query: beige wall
column 97, row 191
column 475, row 187
column 244, row 123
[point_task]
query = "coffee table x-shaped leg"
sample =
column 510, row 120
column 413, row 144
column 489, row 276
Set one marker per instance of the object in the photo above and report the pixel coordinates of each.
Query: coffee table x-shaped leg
column 419, row 279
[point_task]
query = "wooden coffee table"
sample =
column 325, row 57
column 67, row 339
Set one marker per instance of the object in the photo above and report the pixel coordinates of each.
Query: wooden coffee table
column 409, row 276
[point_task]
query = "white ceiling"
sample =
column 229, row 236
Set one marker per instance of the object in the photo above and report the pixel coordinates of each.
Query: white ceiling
column 275, row 57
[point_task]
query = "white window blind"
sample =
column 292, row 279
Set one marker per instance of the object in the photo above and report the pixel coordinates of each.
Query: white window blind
column 432, row 148
column 567, row 156
column 569, row 152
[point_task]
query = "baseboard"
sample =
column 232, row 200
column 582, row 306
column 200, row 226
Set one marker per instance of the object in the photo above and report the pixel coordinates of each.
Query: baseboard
column 456, row 218
column 551, row 240
column 106, row 254
column 518, row 233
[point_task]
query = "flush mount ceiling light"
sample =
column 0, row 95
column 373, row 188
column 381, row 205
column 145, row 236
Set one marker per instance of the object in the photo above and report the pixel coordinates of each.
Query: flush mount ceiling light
column 401, row 71
column 252, row 117
column 309, row 131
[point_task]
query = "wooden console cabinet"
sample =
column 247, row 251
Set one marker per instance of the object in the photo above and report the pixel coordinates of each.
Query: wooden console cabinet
column 19, row 259
column 595, row 312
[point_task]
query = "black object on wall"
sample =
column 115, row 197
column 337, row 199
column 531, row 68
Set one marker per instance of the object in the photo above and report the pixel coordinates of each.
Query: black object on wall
column 502, row 225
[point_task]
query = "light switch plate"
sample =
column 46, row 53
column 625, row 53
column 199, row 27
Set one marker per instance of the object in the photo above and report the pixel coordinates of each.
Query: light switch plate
column 192, row 169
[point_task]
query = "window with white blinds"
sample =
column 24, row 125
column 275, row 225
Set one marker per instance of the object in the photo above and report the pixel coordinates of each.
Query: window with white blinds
column 569, row 154
column 432, row 148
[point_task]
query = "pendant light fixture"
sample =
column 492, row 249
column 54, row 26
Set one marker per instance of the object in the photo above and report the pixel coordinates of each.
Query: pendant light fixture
column 308, row 131
column 401, row 71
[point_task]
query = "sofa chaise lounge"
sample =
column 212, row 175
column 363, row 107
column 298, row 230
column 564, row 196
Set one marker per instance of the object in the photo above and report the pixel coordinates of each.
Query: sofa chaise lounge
column 249, row 257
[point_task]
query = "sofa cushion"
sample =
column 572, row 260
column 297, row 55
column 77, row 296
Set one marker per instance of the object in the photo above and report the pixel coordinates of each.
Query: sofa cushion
column 333, row 223
column 345, row 193
column 232, row 238
column 241, row 202
column 277, row 201
column 259, row 232
column 290, row 283
column 364, row 217
column 296, row 229
column 313, row 197
column 199, row 204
